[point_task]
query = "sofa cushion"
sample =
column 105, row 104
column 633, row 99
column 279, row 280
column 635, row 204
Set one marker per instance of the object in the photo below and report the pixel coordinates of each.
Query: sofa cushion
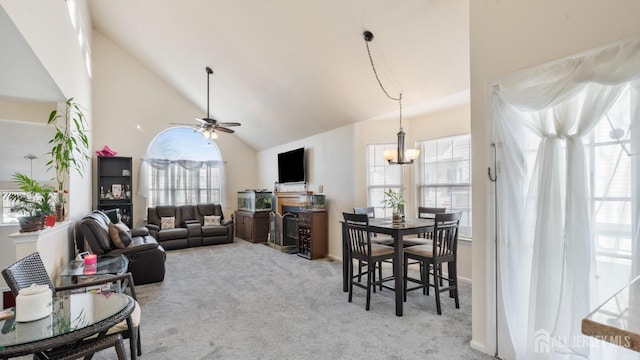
column 113, row 214
column 211, row 220
column 167, row 223
column 209, row 209
column 172, row 234
column 119, row 235
column 214, row 230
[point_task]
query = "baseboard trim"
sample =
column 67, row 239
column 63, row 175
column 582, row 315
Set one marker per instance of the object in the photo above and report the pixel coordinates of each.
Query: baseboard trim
column 478, row 346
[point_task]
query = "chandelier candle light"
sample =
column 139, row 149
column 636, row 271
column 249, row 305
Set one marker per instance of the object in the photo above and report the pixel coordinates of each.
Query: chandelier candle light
column 399, row 155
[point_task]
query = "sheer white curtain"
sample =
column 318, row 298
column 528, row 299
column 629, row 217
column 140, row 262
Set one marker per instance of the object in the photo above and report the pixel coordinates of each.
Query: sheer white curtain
column 545, row 249
column 179, row 182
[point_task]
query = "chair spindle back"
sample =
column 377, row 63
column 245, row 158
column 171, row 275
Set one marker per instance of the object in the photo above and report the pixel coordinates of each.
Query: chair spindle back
column 446, row 235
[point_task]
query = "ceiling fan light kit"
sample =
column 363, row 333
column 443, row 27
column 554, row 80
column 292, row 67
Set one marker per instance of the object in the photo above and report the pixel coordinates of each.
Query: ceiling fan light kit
column 208, row 126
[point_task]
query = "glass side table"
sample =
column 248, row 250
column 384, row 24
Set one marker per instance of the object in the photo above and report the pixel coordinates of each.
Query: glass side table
column 106, row 266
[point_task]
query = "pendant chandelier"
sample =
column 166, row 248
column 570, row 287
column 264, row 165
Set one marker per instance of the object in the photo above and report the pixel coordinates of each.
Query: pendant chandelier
column 400, row 155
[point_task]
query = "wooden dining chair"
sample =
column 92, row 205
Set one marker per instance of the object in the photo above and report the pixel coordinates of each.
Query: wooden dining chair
column 433, row 256
column 376, row 238
column 424, row 238
column 30, row 270
column 369, row 254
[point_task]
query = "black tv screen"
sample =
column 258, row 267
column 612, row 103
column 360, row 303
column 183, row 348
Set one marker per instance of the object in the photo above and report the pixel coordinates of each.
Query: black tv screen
column 291, row 166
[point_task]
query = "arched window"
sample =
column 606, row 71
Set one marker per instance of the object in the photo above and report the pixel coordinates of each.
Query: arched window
column 181, row 167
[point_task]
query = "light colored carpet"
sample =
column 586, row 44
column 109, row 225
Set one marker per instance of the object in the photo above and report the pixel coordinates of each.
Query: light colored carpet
column 248, row 301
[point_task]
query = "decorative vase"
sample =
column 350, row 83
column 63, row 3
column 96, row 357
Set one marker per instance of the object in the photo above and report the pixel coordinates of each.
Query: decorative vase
column 59, row 212
column 31, row 223
column 397, row 218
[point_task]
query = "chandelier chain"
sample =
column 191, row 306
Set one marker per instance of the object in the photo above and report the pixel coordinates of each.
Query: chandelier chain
column 375, row 72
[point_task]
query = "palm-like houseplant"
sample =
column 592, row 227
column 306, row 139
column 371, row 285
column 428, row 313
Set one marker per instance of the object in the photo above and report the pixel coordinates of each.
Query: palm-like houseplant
column 35, row 200
column 393, row 199
column 70, row 148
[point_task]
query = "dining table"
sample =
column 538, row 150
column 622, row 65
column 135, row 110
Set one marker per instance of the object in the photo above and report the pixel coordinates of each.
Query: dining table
column 397, row 230
column 74, row 319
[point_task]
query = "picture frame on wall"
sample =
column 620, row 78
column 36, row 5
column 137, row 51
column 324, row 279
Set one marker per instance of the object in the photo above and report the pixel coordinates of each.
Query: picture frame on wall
column 116, row 190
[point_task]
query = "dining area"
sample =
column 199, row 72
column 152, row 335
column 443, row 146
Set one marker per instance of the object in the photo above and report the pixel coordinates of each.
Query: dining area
column 427, row 243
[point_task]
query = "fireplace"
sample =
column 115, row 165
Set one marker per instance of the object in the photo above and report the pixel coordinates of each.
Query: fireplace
column 290, row 229
column 284, row 230
column 283, row 221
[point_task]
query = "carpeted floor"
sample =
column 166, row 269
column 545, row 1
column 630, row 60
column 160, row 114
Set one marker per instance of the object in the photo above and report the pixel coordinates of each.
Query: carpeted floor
column 248, row 301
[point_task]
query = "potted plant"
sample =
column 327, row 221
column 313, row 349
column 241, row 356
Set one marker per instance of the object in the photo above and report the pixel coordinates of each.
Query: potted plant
column 70, row 148
column 35, row 201
column 393, row 199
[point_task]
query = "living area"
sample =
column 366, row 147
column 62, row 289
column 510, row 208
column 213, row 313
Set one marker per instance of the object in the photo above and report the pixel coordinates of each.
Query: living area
column 291, row 85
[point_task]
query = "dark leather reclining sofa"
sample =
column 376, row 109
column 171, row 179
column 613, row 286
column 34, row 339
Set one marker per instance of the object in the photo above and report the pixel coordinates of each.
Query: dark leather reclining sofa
column 189, row 229
column 146, row 256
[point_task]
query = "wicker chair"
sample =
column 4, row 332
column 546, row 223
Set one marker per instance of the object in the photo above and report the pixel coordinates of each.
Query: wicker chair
column 30, row 270
column 87, row 349
column 369, row 254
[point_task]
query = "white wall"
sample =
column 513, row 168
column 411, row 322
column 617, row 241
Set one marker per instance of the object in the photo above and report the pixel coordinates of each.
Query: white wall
column 131, row 105
column 507, row 36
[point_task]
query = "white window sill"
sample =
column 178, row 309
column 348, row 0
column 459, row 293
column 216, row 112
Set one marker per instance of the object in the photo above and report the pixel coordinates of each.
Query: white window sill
column 466, row 241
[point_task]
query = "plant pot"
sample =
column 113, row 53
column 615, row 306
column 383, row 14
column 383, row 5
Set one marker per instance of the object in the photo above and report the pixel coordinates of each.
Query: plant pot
column 397, row 218
column 31, row 223
column 59, row 212
column 50, row 220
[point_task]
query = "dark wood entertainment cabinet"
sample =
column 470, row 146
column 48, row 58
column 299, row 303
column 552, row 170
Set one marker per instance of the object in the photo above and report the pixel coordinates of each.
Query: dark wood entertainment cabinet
column 252, row 226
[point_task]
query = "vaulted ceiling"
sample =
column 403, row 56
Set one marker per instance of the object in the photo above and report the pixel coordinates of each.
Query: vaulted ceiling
column 288, row 69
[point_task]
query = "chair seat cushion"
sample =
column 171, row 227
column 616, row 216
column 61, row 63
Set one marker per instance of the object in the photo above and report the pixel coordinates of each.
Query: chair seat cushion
column 382, row 239
column 122, row 325
column 170, row 234
column 420, row 250
column 214, row 230
column 379, row 250
column 416, row 241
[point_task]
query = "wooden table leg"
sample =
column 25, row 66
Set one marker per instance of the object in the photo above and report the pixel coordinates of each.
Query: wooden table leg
column 398, row 273
column 346, row 259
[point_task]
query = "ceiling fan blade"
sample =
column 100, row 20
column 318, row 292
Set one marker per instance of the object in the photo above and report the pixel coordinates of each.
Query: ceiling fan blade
column 229, row 124
column 205, row 120
column 224, row 129
column 183, row 124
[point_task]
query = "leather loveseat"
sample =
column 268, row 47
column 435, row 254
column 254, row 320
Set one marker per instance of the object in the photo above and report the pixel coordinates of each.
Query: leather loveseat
column 187, row 225
column 146, row 256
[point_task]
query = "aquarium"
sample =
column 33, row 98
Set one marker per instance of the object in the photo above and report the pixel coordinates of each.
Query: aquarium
column 254, row 200
column 312, row 201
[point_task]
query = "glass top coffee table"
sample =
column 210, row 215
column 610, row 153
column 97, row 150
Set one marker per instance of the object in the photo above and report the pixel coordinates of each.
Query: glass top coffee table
column 76, row 271
column 74, row 318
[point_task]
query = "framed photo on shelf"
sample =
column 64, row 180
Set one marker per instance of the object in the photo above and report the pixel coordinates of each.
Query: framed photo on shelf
column 116, row 190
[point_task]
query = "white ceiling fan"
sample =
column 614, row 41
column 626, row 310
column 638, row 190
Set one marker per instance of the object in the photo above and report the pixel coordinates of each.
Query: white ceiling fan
column 208, row 126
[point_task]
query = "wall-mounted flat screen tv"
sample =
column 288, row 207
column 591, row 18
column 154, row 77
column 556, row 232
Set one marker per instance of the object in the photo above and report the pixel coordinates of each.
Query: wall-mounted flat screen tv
column 291, row 167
